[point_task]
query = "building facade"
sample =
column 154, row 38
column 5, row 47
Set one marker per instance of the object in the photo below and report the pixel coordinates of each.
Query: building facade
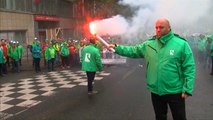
column 23, row 20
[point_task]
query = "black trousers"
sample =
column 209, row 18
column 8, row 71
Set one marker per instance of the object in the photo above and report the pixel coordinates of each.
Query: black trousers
column 65, row 61
column 90, row 79
column 174, row 101
column 1, row 73
column 212, row 66
column 50, row 64
column 4, row 68
column 37, row 64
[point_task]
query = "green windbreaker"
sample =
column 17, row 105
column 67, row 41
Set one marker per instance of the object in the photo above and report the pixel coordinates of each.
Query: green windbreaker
column 49, row 53
column 1, row 56
column 65, row 51
column 91, row 59
column 211, row 48
column 14, row 53
column 170, row 66
column 21, row 50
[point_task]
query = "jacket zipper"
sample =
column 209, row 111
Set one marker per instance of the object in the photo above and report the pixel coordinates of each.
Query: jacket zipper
column 153, row 48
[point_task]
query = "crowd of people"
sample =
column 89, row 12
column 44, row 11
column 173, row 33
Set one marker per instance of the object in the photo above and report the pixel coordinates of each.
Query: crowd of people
column 66, row 53
column 11, row 54
column 51, row 53
column 202, row 46
column 55, row 53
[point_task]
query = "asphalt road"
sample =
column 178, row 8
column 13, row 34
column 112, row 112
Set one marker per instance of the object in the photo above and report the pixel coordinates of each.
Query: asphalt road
column 122, row 96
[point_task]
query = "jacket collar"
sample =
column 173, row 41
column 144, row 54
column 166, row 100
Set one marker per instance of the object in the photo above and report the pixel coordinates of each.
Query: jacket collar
column 164, row 39
column 92, row 44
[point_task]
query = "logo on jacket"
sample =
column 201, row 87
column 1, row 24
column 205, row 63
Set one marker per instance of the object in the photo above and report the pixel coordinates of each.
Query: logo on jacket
column 87, row 57
column 171, row 52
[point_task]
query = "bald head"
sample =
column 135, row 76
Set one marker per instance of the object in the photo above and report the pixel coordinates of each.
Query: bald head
column 162, row 27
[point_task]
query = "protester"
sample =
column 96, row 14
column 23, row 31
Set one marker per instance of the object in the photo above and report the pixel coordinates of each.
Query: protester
column 211, row 53
column 82, row 44
column 64, row 52
column 208, row 52
column 14, row 57
column 43, row 47
column 1, row 59
column 201, row 47
column 56, row 46
column 170, row 69
column 50, row 56
column 21, row 52
column 72, row 49
column 91, row 63
column 37, row 53
column 5, row 52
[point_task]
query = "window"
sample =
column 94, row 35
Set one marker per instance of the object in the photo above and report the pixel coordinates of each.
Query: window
column 17, row 36
column 2, row 3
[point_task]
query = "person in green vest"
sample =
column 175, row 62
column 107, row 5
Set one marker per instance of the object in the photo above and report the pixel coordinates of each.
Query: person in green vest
column 31, row 48
column 201, row 47
column 21, row 52
column 50, row 54
column 2, row 60
column 15, row 56
column 56, row 46
column 8, row 60
column 211, row 52
column 64, row 52
column 37, row 54
column 170, row 69
column 91, row 63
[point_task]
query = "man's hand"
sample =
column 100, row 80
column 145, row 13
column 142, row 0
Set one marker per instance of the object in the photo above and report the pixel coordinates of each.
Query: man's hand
column 184, row 95
column 111, row 46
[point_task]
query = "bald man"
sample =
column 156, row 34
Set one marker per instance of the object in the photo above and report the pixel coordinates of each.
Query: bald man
column 170, row 69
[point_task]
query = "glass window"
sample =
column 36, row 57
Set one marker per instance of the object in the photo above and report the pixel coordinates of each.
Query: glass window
column 17, row 36
column 2, row 3
column 29, row 5
column 10, row 4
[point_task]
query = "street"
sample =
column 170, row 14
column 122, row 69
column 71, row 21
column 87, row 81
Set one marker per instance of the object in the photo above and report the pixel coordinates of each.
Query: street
column 62, row 95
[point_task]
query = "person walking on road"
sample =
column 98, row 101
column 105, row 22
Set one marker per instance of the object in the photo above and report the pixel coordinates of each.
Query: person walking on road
column 91, row 63
column 170, row 69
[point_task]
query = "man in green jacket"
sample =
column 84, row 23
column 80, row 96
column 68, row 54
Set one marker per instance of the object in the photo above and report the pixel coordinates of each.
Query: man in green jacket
column 211, row 53
column 170, row 69
column 91, row 63
column 50, row 56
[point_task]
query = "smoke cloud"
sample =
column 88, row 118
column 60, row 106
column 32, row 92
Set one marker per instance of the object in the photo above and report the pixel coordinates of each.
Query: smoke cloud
column 185, row 16
column 116, row 25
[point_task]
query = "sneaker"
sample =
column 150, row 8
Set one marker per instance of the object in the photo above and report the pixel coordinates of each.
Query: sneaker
column 92, row 92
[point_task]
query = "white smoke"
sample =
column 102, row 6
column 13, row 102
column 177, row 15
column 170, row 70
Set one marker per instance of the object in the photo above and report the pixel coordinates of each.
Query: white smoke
column 185, row 16
column 116, row 25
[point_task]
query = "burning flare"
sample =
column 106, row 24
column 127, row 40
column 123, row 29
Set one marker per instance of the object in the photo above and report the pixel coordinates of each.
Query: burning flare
column 92, row 28
column 93, row 31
